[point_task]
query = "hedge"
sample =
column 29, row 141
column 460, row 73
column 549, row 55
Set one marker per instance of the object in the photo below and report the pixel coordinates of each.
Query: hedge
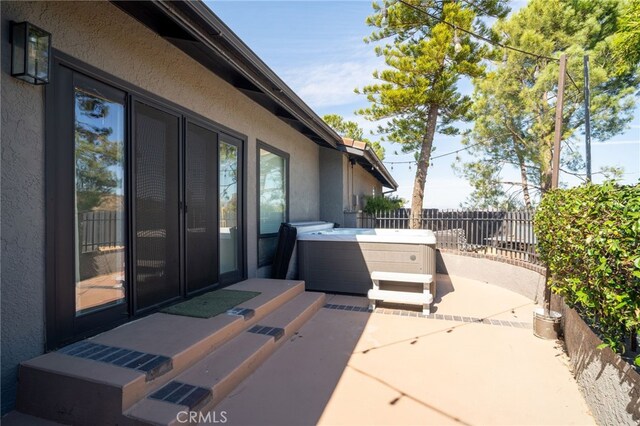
column 589, row 238
column 380, row 203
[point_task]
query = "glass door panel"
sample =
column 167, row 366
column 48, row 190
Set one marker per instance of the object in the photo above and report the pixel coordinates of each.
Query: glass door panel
column 201, row 198
column 99, row 201
column 157, row 221
column 229, row 214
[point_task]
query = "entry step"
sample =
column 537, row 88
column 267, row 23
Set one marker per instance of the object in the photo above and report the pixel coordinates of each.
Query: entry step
column 225, row 368
column 128, row 363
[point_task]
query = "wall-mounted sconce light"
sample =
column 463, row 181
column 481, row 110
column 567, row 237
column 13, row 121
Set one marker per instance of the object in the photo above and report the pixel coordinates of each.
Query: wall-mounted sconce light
column 30, row 53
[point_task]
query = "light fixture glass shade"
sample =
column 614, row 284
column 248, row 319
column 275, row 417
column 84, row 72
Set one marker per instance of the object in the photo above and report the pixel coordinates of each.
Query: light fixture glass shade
column 30, row 53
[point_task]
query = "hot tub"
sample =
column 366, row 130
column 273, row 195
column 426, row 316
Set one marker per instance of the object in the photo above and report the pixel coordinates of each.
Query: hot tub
column 341, row 260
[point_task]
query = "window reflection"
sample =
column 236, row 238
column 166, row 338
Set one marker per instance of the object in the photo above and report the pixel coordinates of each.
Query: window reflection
column 99, row 202
column 228, row 208
column 273, row 202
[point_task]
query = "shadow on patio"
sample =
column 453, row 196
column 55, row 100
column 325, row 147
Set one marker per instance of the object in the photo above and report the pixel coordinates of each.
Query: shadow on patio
column 473, row 361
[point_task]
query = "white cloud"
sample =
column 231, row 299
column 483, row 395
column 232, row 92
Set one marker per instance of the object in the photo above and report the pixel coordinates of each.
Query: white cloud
column 331, row 84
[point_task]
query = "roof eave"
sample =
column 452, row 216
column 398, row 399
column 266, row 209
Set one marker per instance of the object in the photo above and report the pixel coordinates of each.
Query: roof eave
column 367, row 158
column 203, row 36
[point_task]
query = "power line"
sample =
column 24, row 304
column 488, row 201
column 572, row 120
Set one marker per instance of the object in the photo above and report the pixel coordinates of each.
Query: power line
column 478, row 36
column 493, row 43
column 573, row 81
column 437, row 156
column 526, row 122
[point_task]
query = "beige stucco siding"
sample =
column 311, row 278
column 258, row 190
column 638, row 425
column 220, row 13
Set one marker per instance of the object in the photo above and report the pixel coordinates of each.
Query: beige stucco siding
column 358, row 182
column 333, row 188
column 364, row 184
column 103, row 36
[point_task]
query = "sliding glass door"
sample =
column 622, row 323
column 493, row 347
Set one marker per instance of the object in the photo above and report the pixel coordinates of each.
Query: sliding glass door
column 230, row 196
column 144, row 205
column 201, row 185
column 157, row 197
column 99, row 199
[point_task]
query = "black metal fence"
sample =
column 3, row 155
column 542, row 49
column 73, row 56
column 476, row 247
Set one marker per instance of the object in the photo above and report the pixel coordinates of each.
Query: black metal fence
column 501, row 233
column 104, row 229
column 100, row 229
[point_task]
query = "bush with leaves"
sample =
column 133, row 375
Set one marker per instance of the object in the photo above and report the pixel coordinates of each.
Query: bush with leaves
column 380, row 203
column 589, row 237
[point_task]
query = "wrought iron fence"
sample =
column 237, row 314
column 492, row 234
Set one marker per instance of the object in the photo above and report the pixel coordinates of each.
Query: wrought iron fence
column 100, row 229
column 103, row 229
column 501, row 233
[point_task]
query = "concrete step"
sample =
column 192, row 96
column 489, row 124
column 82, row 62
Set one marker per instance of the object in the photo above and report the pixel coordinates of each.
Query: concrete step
column 106, row 375
column 206, row 383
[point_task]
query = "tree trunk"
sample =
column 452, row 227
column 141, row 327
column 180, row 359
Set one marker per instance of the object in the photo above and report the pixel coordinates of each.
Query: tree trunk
column 523, row 176
column 421, row 170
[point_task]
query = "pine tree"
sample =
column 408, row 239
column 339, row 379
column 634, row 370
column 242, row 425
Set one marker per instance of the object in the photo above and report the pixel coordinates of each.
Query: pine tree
column 514, row 103
column 427, row 52
column 351, row 129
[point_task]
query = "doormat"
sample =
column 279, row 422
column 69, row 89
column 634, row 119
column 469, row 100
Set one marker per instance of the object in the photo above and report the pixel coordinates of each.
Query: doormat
column 211, row 304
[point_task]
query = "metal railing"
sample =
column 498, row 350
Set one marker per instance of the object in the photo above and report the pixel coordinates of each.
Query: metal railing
column 501, row 233
column 100, row 229
column 104, row 229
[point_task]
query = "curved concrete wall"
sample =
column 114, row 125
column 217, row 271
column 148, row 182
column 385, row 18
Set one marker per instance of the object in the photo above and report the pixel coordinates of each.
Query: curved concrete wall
column 518, row 279
column 100, row 34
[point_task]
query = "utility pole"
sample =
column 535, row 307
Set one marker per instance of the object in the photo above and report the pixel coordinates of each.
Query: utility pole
column 587, row 116
column 555, row 161
column 555, row 170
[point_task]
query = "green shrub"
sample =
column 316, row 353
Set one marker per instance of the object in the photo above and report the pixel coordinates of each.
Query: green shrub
column 380, row 203
column 589, row 238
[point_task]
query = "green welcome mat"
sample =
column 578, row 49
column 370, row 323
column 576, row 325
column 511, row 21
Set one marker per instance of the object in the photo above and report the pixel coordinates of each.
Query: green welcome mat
column 211, row 304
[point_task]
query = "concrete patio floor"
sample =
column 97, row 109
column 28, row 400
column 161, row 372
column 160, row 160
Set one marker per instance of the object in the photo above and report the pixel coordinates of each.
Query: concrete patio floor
column 357, row 368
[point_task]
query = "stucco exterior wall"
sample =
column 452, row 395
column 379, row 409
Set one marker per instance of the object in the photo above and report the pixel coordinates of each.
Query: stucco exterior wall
column 332, row 188
column 22, row 229
column 103, row 36
column 364, row 184
column 358, row 182
column 346, row 183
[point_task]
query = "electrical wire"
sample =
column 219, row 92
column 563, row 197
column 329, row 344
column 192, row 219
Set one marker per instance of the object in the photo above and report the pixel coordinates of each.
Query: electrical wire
column 572, row 80
column 478, row 36
column 525, row 122
column 485, row 39
column 437, row 156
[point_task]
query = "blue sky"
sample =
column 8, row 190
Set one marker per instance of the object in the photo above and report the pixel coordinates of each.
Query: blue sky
column 317, row 48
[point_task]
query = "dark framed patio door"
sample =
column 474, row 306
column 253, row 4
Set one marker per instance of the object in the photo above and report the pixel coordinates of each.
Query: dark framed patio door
column 145, row 203
column 176, row 206
column 86, row 201
column 201, row 207
column 157, row 211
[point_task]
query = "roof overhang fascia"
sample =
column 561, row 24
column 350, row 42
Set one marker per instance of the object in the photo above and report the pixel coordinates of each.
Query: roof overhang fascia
column 369, row 161
column 196, row 30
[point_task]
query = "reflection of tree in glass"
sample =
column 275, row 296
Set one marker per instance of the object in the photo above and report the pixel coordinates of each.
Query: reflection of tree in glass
column 271, row 183
column 95, row 152
column 228, row 184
